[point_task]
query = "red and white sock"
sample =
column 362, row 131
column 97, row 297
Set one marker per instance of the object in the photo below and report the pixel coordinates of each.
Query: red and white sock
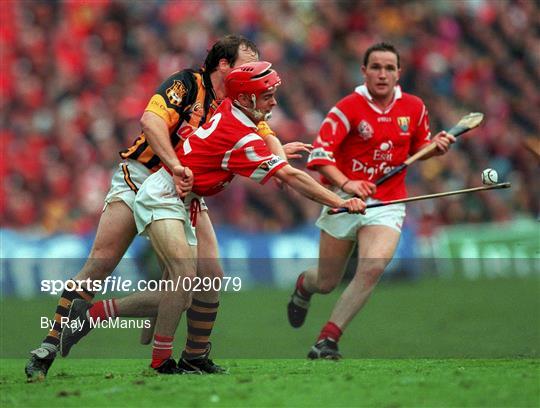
column 102, row 310
column 330, row 331
column 161, row 350
column 300, row 287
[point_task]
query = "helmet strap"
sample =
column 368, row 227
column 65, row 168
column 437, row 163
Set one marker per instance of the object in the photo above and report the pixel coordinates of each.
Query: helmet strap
column 256, row 112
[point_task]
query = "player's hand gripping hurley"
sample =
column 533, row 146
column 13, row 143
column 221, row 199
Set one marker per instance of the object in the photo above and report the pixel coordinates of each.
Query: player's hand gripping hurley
column 466, row 123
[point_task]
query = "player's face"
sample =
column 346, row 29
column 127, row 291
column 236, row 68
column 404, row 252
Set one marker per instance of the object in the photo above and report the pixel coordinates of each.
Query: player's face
column 266, row 101
column 381, row 74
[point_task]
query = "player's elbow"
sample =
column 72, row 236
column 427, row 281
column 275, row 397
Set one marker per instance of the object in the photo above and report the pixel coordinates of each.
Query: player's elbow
column 145, row 120
column 149, row 122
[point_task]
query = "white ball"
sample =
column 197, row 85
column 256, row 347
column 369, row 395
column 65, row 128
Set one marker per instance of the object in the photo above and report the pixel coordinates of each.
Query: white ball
column 489, row 177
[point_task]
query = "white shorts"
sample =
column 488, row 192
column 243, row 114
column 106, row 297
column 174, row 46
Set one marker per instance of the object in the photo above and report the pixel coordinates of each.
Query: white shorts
column 157, row 200
column 126, row 181
column 346, row 226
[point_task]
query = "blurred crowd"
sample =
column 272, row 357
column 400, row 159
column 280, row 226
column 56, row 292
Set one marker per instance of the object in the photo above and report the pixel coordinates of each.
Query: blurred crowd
column 76, row 76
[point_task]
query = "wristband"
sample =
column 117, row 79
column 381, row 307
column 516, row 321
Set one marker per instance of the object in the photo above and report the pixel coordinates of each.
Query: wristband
column 344, row 184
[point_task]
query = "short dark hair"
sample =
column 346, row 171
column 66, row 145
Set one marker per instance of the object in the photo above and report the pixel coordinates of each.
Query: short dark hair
column 382, row 46
column 227, row 47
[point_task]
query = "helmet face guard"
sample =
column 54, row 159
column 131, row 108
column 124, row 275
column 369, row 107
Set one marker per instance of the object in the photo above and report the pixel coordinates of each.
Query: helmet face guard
column 252, row 79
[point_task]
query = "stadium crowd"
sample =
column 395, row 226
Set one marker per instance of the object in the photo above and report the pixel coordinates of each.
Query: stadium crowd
column 76, row 76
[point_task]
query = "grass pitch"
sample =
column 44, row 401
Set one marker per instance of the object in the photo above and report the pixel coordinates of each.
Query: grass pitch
column 271, row 383
column 425, row 343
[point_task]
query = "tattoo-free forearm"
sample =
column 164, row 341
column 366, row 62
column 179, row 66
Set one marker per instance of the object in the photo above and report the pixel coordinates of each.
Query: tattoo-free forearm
column 157, row 134
column 333, row 174
column 308, row 187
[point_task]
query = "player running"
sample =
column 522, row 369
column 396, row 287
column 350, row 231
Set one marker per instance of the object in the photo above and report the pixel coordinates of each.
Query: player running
column 228, row 145
column 362, row 138
column 181, row 104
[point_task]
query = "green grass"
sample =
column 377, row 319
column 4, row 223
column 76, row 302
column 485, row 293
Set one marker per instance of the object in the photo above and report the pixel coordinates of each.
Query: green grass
column 424, row 343
column 270, row 383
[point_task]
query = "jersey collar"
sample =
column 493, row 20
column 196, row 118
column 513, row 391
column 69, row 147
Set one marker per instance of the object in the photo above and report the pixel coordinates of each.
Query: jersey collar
column 363, row 91
column 242, row 117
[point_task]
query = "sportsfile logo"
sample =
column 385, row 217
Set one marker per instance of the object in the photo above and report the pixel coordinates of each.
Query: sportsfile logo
column 118, row 284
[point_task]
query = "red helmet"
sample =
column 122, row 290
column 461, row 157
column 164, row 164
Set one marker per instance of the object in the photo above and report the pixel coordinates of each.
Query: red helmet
column 251, row 78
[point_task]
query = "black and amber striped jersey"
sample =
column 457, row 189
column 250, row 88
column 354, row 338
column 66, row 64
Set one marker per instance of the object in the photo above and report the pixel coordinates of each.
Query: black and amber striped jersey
column 184, row 101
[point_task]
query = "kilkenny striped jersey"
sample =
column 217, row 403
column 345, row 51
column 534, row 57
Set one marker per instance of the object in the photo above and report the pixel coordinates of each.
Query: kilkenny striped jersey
column 184, row 101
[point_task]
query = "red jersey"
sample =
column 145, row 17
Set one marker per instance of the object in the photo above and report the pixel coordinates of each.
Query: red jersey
column 228, row 144
column 365, row 142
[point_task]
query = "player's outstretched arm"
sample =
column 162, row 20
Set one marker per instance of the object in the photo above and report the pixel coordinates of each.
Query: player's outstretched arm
column 308, row 187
